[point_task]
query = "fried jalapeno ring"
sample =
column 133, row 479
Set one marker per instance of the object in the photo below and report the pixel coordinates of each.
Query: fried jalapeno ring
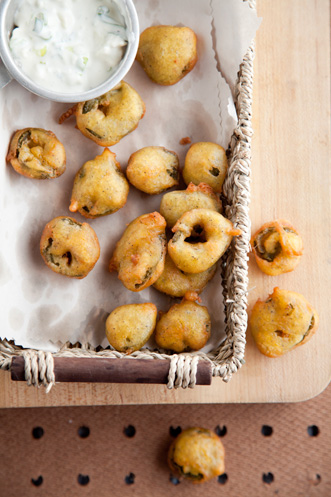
column 206, row 162
column 153, row 169
column 197, row 454
column 100, row 188
column 281, row 323
column 201, row 238
column 167, row 53
column 139, row 255
column 176, row 283
column 69, row 247
column 186, row 326
column 107, row 119
column 37, row 153
column 175, row 204
column 130, row 326
column 277, row 247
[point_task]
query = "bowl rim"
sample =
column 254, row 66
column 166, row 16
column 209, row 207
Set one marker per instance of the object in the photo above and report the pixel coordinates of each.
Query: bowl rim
column 121, row 71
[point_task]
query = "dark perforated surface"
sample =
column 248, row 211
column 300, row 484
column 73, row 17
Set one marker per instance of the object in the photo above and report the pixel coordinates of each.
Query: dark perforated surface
column 271, row 449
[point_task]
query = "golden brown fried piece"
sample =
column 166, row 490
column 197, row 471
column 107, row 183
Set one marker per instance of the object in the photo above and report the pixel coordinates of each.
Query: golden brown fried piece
column 186, row 326
column 206, row 162
column 197, row 454
column 107, row 119
column 281, row 323
column 176, row 283
column 277, row 247
column 68, row 247
column 129, row 327
column 37, row 153
column 100, row 188
column 175, row 204
column 167, row 53
column 201, row 238
column 140, row 253
column 153, row 169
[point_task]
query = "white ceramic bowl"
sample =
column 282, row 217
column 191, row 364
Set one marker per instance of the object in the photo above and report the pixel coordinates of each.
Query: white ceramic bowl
column 10, row 69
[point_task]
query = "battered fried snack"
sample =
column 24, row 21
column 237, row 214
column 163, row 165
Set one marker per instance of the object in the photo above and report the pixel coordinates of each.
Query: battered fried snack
column 186, row 326
column 167, row 53
column 107, row 119
column 139, row 255
column 100, row 188
column 176, row 283
column 206, row 162
column 281, row 323
column 175, row 204
column 69, row 247
column 201, row 238
column 153, row 169
column 37, row 153
column 197, row 454
column 129, row 327
column 277, row 247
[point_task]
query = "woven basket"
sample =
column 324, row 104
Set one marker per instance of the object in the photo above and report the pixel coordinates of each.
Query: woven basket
column 229, row 356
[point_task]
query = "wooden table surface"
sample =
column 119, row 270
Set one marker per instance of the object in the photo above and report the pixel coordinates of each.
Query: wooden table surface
column 290, row 179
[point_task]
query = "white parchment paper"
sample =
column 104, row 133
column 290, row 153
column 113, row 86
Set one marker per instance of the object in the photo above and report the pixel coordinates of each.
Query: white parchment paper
column 42, row 309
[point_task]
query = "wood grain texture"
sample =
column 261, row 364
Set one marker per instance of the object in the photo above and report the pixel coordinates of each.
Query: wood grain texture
column 100, row 370
column 290, row 180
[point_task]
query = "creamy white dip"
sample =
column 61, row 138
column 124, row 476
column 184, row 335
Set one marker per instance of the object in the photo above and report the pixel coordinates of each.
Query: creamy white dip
column 68, row 46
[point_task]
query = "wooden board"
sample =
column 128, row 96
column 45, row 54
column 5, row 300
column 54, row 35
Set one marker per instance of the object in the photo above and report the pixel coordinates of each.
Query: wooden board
column 290, row 179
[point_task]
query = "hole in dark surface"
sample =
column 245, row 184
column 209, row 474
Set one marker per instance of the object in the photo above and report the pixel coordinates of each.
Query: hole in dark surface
column 315, row 480
column 266, row 430
column 313, row 430
column 37, row 482
column 222, row 479
column 268, row 478
column 83, row 431
column 221, row 431
column 129, row 479
column 37, row 432
column 174, row 432
column 83, row 479
column 174, row 480
column 129, row 431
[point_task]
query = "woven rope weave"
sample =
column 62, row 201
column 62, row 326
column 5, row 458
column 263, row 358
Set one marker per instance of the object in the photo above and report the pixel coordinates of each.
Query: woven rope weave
column 229, row 356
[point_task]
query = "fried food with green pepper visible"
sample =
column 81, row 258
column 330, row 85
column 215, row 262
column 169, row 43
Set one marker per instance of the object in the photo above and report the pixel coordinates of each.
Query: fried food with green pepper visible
column 167, row 53
column 197, row 454
column 130, row 326
column 37, row 153
column 153, row 169
column 139, row 255
column 206, row 162
column 277, row 247
column 176, row 283
column 69, row 247
column 201, row 238
column 281, row 323
column 100, row 188
column 186, row 326
column 175, row 204
column 107, row 119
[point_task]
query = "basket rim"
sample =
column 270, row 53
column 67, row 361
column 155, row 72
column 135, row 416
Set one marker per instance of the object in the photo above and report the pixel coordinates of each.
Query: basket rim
column 228, row 357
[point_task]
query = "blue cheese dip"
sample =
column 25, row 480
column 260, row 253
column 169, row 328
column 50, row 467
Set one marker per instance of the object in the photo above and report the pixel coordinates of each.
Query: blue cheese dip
column 68, row 46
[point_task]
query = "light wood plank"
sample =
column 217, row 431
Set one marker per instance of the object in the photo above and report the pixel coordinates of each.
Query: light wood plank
column 290, row 179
